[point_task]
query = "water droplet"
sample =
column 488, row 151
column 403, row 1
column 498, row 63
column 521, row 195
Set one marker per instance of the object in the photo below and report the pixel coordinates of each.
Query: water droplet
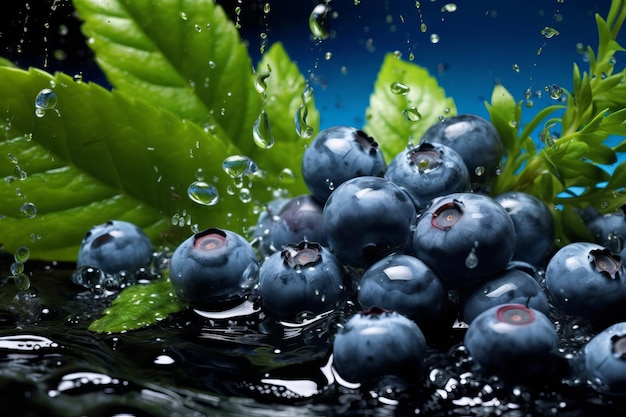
column 318, row 21
column 266, row 8
column 236, row 166
column 549, row 32
column 328, row 55
column 88, row 276
column 450, row 7
column 472, row 260
column 13, row 158
column 183, row 15
column 260, row 82
column 554, row 91
column 612, row 60
column 29, row 210
column 479, row 170
column 203, row 193
column 399, row 88
column 16, row 268
column 262, row 133
column 515, row 68
column 200, row 174
column 21, row 254
column 78, row 78
column 423, row 27
column 245, row 196
column 198, row 28
column 287, row 176
column 411, row 56
column 22, row 281
column 604, row 204
column 434, row 38
column 302, row 128
column 46, row 100
column 307, row 94
column 412, row 114
column 212, row 64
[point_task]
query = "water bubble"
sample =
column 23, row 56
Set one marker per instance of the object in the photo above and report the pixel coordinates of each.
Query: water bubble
column 262, row 133
column 88, row 276
column 46, row 100
column 399, row 88
column 450, row 7
column 412, row 114
column 29, row 210
column 21, row 254
column 22, row 281
column 287, row 176
column 302, row 127
column 554, row 91
column 318, row 21
column 203, row 193
column 549, row 32
column 434, row 38
column 236, row 166
column 472, row 260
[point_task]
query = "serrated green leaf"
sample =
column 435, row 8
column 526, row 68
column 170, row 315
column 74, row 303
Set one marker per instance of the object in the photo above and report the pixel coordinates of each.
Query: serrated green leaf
column 139, row 306
column 182, row 55
column 385, row 121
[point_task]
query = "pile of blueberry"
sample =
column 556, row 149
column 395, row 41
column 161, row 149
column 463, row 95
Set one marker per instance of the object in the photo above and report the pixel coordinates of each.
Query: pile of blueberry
column 416, row 245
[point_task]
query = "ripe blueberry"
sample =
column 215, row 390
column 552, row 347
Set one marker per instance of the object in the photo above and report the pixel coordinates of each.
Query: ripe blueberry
column 605, row 360
column 367, row 218
column 514, row 342
column 465, row 238
column 427, row 171
column 115, row 246
column 376, row 343
column 337, row 154
column 302, row 278
column 212, row 266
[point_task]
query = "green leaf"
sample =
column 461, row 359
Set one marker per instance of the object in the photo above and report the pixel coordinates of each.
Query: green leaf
column 139, row 306
column 99, row 155
column 182, row 55
column 502, row 112
column 618, row 178
column 384, row 116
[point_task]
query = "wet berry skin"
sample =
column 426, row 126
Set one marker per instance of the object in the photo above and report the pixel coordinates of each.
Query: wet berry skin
column 377, row 343
column 609, row 230
column 367, row 218
column 584, row 279
column 302, row 278
column 475, row 139
column 513, row 286
column 336, row 155
column 605, row 360
column 404, row 284
column 534, row 226
column 213, row 266
column 465, row 238
column 300, row 218
column 514, row 342
column 115, row 246
column 427, row 171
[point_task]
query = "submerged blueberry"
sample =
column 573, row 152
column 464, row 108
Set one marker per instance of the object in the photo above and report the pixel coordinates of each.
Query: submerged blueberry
column 605, row 360
column 212, row 266
column 302, row 278
column 115, row 246
column 377, row 343
column 514, row 342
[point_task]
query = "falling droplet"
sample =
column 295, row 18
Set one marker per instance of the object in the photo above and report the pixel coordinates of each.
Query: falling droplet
column 16, row 268
column 515, row 68
column 203, row 193
column 46, row 100
column 318, row 21
column 22, row 281
column 554, row 91
column 29, row 210
column 21, row 254
column 549, row 32
column 423, row 27
column 307, row 94
column 412, row 114
column 260, row 82
column 450, row 7
column 266, row 8
column 262, row 133
column 399, row 88
column 472, row 260
column 302, row 127
column 434, row 38
column 287, row 176
column 236, row 166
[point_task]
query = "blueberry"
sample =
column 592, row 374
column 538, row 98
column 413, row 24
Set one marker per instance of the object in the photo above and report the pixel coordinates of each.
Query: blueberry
column 367, row 218
column 605, row 360
column 300, row 218
column 609, row 230
column 586, row 280
column 427, row 171
column 514, row 342
column 302, row 278
column 115, row 246
column 337, row 154
column 513, row 286
column 475, row 139
column 375, row 344
column 404, row 284
column 465, row 238
column 213, row 266
column 534, row 226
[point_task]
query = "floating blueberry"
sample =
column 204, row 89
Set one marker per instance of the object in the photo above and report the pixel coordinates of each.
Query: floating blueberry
column 465, row 238
column 514, row 342
column 605, row 360
column 427, row 171
column 404, row 284
column 376, row 343
column 115, row 246
column 213, row 266
column 534, row 226
column 302, row 278
column 337, row 154
column 586, row 280
column 366, row 218
column 475, row 139
column 513, row 286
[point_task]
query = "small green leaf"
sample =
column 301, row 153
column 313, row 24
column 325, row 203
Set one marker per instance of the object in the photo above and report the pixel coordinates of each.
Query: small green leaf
column 385, row 116
column 618, row 178
column 139, row 306
column 503, row 115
